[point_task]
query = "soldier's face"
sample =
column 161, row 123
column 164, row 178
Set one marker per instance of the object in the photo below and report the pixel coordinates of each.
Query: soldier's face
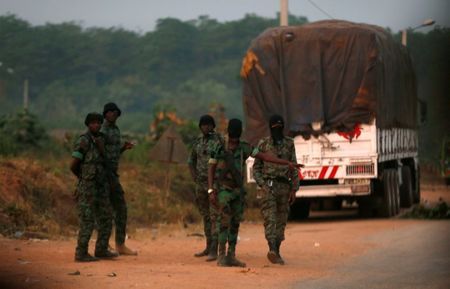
column 94, row 126
column 233, row 143
column 206, row 128
column 112, row 115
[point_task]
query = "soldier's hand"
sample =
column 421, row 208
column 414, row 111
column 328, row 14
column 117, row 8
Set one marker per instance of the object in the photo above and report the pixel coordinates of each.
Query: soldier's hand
column 128, row 145
column 294, row 166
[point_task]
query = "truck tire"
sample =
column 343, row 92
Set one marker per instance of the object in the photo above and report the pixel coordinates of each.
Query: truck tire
column 395, row 193
column 300, row 210
column 386, row 205
column 406, row 191
column 416, row 190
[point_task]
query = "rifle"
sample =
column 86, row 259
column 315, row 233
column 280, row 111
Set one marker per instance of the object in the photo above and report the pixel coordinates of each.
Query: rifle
column 230, row 168
column 106, row 163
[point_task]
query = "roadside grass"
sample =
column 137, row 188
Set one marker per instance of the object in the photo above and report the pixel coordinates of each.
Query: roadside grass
column 440, row 210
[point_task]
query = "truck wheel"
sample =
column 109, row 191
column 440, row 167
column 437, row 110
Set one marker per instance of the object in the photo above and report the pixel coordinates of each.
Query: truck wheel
column 386, row 206
column 416, row 191
column 395, row 193
column 406, row 191
column 299, row 210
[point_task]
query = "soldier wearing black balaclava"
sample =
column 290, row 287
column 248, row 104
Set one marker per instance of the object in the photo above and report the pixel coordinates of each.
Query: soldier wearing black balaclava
column 278, row 183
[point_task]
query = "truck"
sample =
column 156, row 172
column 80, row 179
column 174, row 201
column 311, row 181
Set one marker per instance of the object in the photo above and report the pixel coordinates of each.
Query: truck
column 348, row 95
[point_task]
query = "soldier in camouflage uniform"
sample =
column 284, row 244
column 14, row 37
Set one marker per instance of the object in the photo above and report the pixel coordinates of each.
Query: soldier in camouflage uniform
column 198, row 166
column 114, row 147
column 227, row 163
column 91, row 192
column 278, row 183
column 225, row 180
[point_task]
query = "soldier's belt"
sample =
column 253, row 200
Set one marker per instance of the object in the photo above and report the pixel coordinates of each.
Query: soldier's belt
column 279, row 180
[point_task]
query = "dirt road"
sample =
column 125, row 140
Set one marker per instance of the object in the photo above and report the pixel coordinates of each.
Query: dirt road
column 337, row 252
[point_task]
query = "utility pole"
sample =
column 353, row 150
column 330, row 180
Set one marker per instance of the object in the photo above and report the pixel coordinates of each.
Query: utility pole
column 284, row 13
column 25, row 94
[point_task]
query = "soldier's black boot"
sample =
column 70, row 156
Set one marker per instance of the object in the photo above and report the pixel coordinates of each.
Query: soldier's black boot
column 272, row 254
column 84, row 256
column 222, row 260
column 232, row 260
column 212, row 256
column 280, row 260
column 204, row 252
column 106, row 254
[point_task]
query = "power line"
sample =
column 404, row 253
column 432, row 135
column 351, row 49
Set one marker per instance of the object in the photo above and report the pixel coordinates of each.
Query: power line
column 323, row 11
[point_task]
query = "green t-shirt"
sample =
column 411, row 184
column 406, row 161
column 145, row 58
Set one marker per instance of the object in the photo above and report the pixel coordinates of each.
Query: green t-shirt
column 239, row 156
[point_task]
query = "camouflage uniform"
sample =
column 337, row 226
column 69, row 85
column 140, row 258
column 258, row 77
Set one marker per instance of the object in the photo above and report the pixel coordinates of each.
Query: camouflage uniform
column 231, row 196
column 92, row 196
column 277, row 182
column 113, row 145
column 198, row 158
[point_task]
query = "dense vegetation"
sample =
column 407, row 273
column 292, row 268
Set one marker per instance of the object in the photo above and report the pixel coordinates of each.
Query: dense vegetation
column 185, row 66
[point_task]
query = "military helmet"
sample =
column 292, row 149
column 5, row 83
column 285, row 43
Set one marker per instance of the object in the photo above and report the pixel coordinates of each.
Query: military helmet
column 93, row 116
column 111, row 106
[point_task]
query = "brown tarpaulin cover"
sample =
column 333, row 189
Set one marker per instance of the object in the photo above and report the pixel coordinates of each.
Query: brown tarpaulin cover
column 338, row 72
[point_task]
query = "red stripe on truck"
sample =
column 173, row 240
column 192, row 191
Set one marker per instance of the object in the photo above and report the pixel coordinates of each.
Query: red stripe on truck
column 333, row 172
column 323, row 172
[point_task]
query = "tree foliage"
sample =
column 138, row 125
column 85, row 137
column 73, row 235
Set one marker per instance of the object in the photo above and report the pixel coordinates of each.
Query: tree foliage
column 187, row 65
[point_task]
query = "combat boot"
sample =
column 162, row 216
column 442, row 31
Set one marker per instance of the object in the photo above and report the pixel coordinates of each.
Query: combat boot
column 204, row 252
column 212, row 256
column 106, row 254
column 272, row 254
column 234, row 262
column 86, row 257
column 280, row 260
column 124, row 250
column 222, row 259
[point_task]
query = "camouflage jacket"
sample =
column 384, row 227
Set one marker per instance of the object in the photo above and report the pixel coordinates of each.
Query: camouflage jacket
column 113, row 144
column 239, row 155
column 262, row 171
column 92, row 161
column 200, row 154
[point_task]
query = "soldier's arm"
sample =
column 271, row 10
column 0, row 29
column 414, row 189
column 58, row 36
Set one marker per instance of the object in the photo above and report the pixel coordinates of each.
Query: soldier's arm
column 271, row 158
column 212, row 166
column 75, row 167
column 80, row 148
column 192, row 162
column 294, row 173
column 211, row 173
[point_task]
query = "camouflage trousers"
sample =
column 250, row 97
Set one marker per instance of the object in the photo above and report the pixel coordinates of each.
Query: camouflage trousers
column 231, row 210
column 275, row 210
column 119, row 206
column 208, row 212
column 94, row 211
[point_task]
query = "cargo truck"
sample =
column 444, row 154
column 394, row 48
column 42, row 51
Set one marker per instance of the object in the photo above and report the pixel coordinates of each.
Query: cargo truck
column 348, row 95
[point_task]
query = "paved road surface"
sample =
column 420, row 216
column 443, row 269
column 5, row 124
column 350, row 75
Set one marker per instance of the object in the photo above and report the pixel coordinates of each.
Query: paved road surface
column 416, row 256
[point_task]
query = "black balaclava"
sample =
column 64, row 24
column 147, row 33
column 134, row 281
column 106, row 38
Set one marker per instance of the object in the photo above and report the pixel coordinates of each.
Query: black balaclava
column 234, row 128
column 276, row 125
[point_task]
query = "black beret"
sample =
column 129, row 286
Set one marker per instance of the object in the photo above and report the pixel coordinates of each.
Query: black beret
column 93, row 116
column 111, row 106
